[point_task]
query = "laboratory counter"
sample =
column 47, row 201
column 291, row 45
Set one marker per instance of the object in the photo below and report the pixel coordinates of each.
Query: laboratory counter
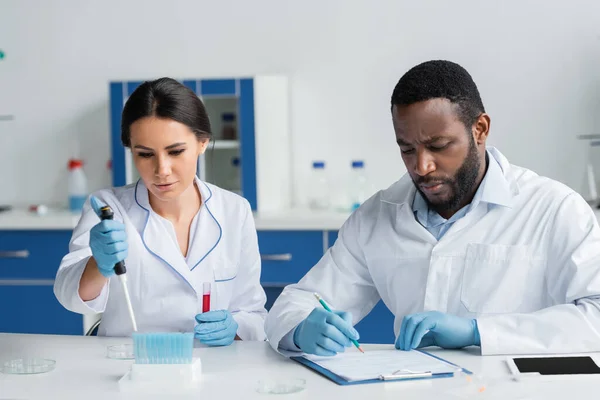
column 293, row 220
column 83, row 371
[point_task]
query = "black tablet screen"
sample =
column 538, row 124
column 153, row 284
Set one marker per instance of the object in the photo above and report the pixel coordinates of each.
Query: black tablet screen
column 557, row 365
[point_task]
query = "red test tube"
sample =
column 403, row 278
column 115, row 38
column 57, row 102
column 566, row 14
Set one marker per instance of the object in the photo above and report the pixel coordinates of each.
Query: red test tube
column 206, row 297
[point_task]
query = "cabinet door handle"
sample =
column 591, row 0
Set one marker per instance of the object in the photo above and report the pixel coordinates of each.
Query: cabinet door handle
column 276, row 257
column 26, row 282
column 14, row 254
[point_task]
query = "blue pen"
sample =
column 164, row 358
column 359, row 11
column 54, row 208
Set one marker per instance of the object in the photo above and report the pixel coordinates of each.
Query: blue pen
column 325, row 306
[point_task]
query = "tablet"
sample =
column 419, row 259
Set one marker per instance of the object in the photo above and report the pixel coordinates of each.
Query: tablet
column 567, row 365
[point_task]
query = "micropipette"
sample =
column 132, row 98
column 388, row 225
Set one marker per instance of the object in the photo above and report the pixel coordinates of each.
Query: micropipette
column 107, row 213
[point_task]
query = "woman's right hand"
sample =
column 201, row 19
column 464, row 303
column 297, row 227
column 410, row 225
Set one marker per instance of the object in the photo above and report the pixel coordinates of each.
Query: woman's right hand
column 108, row 241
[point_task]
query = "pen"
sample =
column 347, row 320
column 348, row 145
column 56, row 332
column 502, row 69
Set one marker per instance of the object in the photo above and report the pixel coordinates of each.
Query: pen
column 406, row 375
column 325, row 306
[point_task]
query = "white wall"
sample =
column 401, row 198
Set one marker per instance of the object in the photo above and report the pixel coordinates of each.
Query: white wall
column 537, row 64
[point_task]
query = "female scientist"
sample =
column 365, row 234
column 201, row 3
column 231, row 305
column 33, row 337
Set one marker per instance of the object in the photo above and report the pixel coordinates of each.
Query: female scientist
column 173, row 231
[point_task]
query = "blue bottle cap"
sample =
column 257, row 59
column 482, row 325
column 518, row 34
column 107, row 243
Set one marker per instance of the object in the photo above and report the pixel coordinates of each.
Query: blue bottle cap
column 235, row 161
column 228, row 117
column 319, row 164
column 357, row 164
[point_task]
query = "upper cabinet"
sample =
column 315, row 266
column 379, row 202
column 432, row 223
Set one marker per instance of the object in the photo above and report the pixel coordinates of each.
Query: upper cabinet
column 250, row 125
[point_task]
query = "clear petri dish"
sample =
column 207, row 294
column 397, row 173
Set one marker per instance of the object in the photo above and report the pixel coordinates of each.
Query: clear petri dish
column 28, row 366
column 120, row 352
column 281, row 386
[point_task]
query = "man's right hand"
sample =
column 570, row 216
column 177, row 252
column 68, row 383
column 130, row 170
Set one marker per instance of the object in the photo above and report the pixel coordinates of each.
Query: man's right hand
column 325, row 333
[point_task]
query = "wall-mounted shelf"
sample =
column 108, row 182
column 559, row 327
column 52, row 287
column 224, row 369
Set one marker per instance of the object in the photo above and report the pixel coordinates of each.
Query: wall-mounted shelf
column 225, row 145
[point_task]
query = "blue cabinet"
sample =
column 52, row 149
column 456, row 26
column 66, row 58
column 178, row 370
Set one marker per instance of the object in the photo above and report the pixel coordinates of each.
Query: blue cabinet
column 234, row 97
column 31, row 307
column 32, row 254
column 238, row 108
column 286, row 257
column 378, row 325
column 28, row 264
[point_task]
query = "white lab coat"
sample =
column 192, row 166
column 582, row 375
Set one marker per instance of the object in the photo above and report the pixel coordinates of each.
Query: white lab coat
column 165, row 286
column 529, row 273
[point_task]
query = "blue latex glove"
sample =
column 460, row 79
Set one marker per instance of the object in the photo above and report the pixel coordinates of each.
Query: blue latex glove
column 325, row 333
column 434, row 328
column 216, row 328
column 108, row 241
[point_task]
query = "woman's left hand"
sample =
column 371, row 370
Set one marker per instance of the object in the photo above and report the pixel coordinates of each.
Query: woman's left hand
column 216, row 328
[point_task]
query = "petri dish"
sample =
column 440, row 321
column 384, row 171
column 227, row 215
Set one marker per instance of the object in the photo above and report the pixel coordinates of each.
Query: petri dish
column 28, row 366
column 120, row 352
column 281, row 386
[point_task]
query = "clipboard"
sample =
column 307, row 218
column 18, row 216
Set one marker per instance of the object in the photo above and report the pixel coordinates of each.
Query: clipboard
column 399, row 376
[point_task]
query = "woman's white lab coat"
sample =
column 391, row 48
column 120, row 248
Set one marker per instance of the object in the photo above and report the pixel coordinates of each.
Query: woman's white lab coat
column 165, row 286
column 529, row 271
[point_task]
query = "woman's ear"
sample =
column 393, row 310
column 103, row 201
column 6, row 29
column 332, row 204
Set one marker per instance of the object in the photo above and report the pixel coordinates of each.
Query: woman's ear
column 202, row 145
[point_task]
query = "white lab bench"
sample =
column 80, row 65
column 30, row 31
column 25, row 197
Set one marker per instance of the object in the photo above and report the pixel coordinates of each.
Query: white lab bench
column 84, row 372
column 298, row 219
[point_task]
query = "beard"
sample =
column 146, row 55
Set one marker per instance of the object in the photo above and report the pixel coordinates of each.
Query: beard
column 460, row 185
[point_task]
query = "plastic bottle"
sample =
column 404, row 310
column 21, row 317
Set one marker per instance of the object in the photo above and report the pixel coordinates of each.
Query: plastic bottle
column 319, row 193
column 358, row 185
column 228, row 130
column 77, row 185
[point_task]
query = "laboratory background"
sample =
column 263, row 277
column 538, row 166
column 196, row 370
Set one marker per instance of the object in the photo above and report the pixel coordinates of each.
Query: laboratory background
column 298, row 94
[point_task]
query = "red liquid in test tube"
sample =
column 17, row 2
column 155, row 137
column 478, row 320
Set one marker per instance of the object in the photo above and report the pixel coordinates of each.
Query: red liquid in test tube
column 206, row 297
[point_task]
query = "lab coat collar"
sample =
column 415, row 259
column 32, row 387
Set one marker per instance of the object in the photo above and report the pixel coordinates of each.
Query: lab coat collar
column 202, row 244
column 165, row 246
column 403, row 191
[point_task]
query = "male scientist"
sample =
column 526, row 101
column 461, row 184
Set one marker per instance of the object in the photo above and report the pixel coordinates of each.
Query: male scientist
column 465, row 249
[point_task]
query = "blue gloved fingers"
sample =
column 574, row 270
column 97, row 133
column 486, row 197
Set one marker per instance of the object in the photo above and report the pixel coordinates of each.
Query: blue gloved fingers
column 400, row 338
column 346, row 316
column 346, row 328
column 428, row 340
column 218, row 335
column 336, row 335
column 96, row 205
column 107, row 273
column 121, row 255
column 113, row 237
column 212, row 327
column 213, row 316
column 476, row 336
column 320, row 351
column 225, row 341
column 409, row 324
column 426, row 325
column 107, row 226
column 330, row 344
column 411, row 327
column 111, row 259
column 110, row 255
column 113, row 248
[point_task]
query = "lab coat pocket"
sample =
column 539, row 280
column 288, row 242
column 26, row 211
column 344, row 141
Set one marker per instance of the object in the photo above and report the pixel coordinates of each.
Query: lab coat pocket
column 496, row 278
column 225, row 279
